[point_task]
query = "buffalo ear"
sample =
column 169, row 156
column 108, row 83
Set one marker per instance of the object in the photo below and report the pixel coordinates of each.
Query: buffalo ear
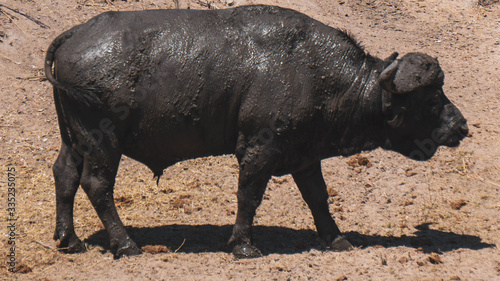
column 413, row 71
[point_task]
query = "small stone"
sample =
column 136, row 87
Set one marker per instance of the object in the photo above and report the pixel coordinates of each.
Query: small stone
column 409, row 172
column 458, row 204
column 407, row 202
column 435, row 259
column 341, row 278
column 403, row 260
column 331, row 191
column 22, row 268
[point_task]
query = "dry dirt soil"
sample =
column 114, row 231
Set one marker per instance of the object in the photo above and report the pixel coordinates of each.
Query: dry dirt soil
column 434, row 220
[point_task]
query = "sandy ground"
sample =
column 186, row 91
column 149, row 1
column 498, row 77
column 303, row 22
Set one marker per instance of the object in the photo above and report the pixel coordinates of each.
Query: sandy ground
column 434, row 220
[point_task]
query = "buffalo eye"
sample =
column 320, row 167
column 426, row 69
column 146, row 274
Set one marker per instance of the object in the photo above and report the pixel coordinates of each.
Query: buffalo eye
column 435, row 99
column 434, row 103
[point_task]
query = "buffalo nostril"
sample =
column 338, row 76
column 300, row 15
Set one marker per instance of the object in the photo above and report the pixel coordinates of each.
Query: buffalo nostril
column 464, row 130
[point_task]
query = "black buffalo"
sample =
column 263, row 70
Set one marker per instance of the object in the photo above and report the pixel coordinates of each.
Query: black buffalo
column 276, row 88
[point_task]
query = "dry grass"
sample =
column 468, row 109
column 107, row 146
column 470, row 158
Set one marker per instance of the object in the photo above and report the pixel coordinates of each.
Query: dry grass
column 155, row 249
column 461, row 163
column 123, row 201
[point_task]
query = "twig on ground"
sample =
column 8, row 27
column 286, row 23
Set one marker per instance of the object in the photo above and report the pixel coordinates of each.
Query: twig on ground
column 180, row 246
column 12, row 20
column 31, row 78
column 487, row 181
column 5, row 57
column 208, row 4
column 50, row 247
column 41, row 24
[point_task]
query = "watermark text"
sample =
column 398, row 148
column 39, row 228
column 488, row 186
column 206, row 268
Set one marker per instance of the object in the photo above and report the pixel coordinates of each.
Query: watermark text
column 11, row 218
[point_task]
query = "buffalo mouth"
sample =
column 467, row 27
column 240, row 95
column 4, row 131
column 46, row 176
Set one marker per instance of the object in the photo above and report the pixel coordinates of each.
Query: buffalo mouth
column 426, row 148
column 453, row 138
column 452, row 142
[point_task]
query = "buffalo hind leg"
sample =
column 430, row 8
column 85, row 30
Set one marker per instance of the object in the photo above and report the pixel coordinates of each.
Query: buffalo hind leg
column 313, row 189
column 67, row 172
column 98, row 178
column 255, row 172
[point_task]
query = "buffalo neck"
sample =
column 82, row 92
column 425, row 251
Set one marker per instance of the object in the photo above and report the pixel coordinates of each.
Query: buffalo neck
column 354, row 113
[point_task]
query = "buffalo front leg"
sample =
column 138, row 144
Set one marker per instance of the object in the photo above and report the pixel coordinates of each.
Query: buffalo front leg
column 98, row 179
column 67, row 172
column 313, row 189
column 255, row 172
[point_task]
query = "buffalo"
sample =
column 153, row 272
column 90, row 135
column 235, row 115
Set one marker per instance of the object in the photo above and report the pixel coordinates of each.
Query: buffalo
column 278, row 89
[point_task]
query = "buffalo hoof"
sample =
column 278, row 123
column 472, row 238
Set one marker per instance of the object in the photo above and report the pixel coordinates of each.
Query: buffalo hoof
column 340, row 244
column 128, row 250
column 76, row 247
column 69, row 243
column 246, row 251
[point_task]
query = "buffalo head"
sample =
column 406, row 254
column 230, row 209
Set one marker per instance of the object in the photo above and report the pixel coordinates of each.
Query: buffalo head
column 420, row 116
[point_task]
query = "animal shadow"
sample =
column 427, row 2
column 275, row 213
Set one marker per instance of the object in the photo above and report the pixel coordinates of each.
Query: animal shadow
column 213, row 238
column 426, row 239
column 282, row 240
